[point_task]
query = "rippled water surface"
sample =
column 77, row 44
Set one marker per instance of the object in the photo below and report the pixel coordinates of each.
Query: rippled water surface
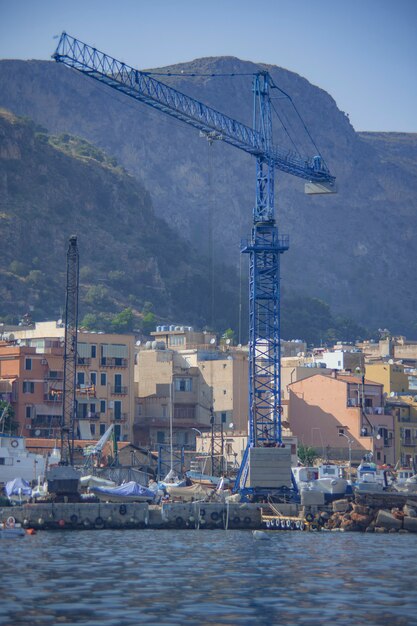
column 113, row 578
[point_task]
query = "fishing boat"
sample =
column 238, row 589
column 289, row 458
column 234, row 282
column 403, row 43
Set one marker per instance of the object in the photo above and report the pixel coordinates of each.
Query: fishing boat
column 325, row 478
column 128, row 492
column 370, row 479
column 17, row 462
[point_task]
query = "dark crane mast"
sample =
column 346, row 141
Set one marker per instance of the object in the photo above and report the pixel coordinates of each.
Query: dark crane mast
column 265, row 245
column 70, row 354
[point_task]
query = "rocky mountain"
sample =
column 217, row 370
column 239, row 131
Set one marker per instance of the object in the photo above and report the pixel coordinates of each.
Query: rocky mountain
column 52, row 187
column 355, row 249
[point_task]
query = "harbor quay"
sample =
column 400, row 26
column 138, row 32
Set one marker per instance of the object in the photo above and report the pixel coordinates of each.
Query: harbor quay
column 363, row 513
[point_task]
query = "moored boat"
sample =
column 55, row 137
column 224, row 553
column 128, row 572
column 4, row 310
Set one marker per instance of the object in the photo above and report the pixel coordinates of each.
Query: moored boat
column 128, row 492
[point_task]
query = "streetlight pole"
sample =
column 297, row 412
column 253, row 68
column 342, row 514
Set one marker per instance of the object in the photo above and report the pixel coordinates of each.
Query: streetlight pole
column 350, row 441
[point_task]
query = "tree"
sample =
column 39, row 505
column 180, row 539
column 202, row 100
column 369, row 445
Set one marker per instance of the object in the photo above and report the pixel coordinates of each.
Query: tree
column 123, row 322
column 307, row 454
column 7, row 421
column 148, row 322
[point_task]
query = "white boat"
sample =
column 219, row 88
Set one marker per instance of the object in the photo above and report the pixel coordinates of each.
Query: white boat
column 17, row 462
column 10, row 530
column 198, row 478
column 369, row 478
column 324, row 478
column 406, row 481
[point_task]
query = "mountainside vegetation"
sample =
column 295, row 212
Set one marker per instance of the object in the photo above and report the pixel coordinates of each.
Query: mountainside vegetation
column 135, row 270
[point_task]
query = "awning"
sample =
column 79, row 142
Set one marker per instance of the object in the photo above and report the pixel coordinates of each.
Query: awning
column 45, row 409
column 55, row 363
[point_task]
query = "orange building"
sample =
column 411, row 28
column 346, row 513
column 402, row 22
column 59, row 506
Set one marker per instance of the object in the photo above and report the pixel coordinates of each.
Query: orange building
column 35, row 383
column 338, row 412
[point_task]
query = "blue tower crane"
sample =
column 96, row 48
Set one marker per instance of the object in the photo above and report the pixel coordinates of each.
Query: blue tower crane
column 265, row 245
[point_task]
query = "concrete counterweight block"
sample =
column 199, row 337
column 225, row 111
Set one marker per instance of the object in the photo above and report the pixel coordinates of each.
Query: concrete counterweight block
column 269, row 468
column 410, row 524
column 385, row 519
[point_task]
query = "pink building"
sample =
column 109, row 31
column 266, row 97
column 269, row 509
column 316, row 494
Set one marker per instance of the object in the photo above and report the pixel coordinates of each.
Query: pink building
column 331, row 413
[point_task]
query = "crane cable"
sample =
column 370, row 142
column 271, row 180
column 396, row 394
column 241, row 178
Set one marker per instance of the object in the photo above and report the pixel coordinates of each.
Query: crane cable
column 210, row 229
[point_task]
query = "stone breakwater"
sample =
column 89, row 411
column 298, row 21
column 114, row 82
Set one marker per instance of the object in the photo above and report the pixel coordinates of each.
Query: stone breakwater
column 387, row 512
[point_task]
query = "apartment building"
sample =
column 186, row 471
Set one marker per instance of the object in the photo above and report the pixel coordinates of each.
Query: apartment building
column 32, row 383
column 105, row 384
column 390, row 374
column 186, row 376
column 172, row 398
column 338, row 412
column 404, row 411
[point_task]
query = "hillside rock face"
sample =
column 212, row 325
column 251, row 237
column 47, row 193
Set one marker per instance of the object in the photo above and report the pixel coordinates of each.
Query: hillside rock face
column 355, row 249
column 51, row 188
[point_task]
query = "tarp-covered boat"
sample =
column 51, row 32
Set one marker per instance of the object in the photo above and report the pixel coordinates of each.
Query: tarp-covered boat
column 186, row 494
column 128, row 492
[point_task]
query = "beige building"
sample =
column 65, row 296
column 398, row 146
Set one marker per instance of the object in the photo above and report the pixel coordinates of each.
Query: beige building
column 390, row 374
column 187, row 389
column 105, row 368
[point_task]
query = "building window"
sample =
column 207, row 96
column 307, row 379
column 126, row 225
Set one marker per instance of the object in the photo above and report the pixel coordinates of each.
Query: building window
column 102, row 429
column 183, row 384
column 28, row 364
column 103, row 379
column 117, row 432
column 117, row 383
column 117, row 409
column 102, row 406
column 93, row 351
column 28, row 412
column 93, row 378
column 176, row 340
column 224, row 418
column 93, row 429
column 160, row 436
column 183, row 411
column 92, row 409
column 164, row 410
column 80, row 378
column 28, row 386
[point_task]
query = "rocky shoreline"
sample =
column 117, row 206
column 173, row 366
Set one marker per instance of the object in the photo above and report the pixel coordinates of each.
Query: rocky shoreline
column 382, row 513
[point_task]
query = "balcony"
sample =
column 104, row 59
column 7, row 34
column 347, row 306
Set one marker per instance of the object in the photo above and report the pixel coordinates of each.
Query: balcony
column 113, row 362
column 89, row 416
column 83, row 361
column 53, row 396
column 409, row 441
column 86, row 390
column 54, row 376
column 119, row 419
column 118, row 390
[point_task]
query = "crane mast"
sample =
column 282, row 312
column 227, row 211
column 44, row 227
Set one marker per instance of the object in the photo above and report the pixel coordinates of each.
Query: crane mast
column 265, row 244
column 70, row 353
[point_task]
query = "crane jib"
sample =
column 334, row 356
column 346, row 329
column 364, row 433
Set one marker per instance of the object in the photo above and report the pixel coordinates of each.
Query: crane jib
column 149, row 90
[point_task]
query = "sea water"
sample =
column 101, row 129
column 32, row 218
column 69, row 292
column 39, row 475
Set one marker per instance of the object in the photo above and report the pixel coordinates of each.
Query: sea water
column 197, row 577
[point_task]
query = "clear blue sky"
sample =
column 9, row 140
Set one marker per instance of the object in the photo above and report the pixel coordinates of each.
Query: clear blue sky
column 363, row 52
